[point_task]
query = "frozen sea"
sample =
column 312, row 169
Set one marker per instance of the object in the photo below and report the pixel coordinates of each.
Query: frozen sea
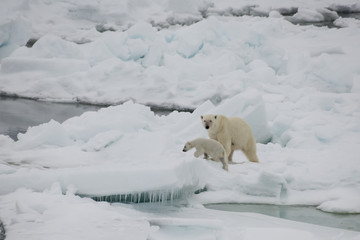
column 296, row 84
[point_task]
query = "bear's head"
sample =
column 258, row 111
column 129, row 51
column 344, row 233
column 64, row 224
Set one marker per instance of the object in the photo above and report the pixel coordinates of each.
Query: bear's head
column 210, row 121
column 187, row 147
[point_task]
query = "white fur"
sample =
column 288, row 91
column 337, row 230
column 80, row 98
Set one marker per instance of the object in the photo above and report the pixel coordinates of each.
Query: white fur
column 208, row 147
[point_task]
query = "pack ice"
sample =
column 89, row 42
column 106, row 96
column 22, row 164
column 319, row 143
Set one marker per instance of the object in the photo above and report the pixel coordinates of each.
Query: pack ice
column 280, row 77
column 297, row 86
column 215, row 58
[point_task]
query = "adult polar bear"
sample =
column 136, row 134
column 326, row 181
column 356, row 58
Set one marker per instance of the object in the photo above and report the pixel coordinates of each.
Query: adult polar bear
column 232, row 133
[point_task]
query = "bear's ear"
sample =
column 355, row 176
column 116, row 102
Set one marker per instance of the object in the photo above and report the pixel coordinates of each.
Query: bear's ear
column 202, row 117
column 215, row 116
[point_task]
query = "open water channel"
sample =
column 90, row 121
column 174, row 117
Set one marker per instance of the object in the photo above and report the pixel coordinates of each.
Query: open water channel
column 17, row 114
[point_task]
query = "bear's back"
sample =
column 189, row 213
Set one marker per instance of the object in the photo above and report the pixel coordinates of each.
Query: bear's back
column 240, row 131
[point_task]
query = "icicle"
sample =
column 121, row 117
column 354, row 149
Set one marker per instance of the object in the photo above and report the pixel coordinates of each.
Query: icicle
column 156, row 196
column 172, row 195
column 163, row 197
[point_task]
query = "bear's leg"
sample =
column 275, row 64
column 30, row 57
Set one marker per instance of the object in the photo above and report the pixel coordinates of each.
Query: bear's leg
column 224, row 163
column 227, row 146
column 251, row 155
column 231, row 155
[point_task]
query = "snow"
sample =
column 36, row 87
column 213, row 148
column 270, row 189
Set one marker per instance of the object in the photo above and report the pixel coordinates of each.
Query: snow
column 50, row 213
column 66, row 217
column 297, row 87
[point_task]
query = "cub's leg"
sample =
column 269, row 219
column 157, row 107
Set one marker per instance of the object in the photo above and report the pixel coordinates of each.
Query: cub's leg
column 198, row 152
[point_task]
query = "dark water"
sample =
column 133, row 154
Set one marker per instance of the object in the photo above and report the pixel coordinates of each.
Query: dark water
column 16, row 115
column 355, row 15
column 296, row 213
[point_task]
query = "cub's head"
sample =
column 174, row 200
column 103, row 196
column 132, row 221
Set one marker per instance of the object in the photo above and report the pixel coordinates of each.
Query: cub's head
column 210, row 121
column 187, row 147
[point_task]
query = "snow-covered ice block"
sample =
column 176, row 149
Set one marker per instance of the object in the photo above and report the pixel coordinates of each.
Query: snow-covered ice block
column 99, row 153
column 51, row 133
column 50, row 46
column 267, row 184
column 346, row 201
column 118, row 168
column 66, row 216
column 14, row 33
column 314, row 15
column 189, row 43
column 243, row 183
column 142, row 30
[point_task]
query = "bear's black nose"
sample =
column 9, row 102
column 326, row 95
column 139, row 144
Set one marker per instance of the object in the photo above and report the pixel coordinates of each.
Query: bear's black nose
column 207, row 127
column 184, row 150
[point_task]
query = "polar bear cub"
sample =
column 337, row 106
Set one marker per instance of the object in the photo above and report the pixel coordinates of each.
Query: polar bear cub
column 208, row 147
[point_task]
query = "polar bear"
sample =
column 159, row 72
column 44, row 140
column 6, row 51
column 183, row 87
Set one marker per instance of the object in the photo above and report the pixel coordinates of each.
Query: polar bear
column 208, row 147
column 232, row 133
